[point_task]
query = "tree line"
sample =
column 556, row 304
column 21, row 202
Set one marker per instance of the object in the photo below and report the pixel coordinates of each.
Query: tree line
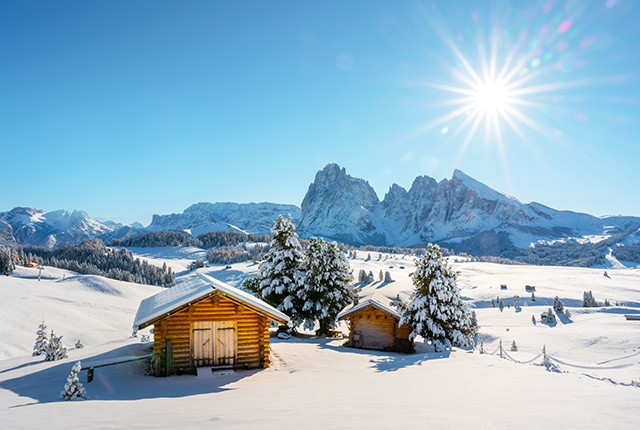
column 180, row 238
column 92, row 257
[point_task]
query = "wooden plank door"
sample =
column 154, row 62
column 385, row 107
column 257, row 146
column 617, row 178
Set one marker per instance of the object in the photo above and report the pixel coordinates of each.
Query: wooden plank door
column 203, row 343
column 225, row 343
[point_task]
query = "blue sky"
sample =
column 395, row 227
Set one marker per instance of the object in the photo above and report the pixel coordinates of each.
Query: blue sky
column 125, row 109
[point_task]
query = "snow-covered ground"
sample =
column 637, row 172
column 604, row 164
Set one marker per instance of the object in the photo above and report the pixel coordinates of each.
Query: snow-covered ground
column 317, row 383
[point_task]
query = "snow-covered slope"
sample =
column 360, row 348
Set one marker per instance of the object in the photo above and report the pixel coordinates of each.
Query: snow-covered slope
column 201, row 218
column 56, row 228
column 317, row 383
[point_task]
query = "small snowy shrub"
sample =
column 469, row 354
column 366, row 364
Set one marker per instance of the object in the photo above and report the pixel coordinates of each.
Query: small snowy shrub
column 144, row 338
column 79, row 344
column 40, row 346
column 73, row 389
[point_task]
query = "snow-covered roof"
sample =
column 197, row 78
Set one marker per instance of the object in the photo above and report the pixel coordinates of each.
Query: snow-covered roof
column 376, row 300
column 189, row 289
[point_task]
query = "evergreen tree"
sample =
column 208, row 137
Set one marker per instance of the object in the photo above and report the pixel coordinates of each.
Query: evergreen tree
column 436, row 311
column 324, row 279
column 557, row 305
column 380, row 276
column 362, row 276
column 73, row 389
column 387, row 277
column 370, row 277
column 533, row 296
column 567, row 313
column 514, row 347
column 40, row 346
column 277, row 272
column 6, row 261
column 55, row 349
column 79, row 344
column 588, row 301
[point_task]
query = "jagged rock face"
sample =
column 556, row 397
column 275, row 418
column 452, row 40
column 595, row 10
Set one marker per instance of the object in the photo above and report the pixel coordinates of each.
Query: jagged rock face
column 256, row 218
column 57, row 228
column 341, row 208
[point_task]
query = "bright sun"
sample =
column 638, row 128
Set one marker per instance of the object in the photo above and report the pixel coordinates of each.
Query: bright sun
column 490, row 97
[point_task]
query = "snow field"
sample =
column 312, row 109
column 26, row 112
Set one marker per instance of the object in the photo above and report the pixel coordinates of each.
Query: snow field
column 317, row 383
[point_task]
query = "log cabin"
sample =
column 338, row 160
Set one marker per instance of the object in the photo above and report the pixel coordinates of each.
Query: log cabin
column 203, row 322
column 375, row 324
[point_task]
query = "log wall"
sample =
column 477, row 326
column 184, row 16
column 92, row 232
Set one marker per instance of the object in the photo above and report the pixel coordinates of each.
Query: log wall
column 252, row 333
column 373, row 329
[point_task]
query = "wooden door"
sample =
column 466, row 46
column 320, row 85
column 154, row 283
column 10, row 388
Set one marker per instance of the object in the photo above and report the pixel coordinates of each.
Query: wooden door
column 225, row 343
column 203, row 344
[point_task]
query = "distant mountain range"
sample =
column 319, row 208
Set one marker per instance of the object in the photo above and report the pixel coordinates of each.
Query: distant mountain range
column 460, row 213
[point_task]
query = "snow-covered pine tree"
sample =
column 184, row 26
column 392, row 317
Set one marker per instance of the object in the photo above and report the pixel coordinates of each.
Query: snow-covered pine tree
column 79, row 344
column 40, row 347
column 567, row 313
column 73, row 389
column 588, row 301
column 380, row 276
column 557, row 305
column 370, row 277
column 387, row 277
column 55, row 349
column 6, row 261
column 362, row 276
column 324, row 279
column 277, row 272
column 514, row 347
column 533, row 296
column 436, row 311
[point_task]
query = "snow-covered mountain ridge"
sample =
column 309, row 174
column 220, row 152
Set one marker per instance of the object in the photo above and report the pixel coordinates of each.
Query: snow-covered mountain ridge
column 50, row 229
column 460, row 212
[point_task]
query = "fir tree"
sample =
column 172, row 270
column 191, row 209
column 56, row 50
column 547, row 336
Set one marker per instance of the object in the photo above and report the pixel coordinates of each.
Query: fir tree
column 436, row 311
column 557, row 305
column 6, row 261
column 387, row 277
column 278, row 270
column 567, row 313
column 370, row 277
column 514, row 347
column 533, row 296
column 380, row 276
column 588, row 301
column 40, row 346
column 323, row 279
column 55, row 349
column 362, row 276
column 73, row 389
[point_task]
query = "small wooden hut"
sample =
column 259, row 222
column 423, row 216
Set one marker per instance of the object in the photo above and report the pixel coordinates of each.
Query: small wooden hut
column 204, row 322
column 375, row 324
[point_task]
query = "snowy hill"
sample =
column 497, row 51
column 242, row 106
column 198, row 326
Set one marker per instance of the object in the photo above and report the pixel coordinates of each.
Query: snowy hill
column 256, row 218
column 317, row 383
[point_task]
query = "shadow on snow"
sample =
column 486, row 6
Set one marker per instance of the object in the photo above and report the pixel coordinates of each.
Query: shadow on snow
column 125, row 381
